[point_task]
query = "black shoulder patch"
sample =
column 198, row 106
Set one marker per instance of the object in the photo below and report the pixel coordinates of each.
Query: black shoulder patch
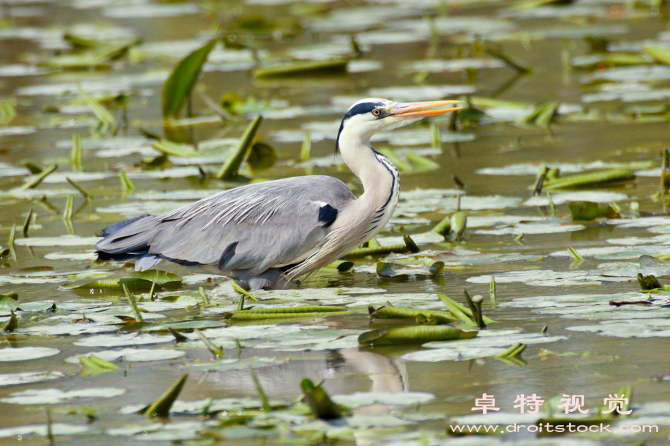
column 227, row 255
column 327, row 215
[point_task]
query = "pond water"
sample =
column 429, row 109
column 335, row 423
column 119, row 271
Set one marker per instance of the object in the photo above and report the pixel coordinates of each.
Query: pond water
column 601, row 69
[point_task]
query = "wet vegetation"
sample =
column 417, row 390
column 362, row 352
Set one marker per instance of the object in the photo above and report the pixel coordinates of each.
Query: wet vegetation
column 549, row 189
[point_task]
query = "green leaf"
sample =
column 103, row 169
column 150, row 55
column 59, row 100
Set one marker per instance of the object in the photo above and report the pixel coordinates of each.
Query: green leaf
column 542, row 114
column 513, row 351
column 172, row 148
column 589, row 179
column 75, row 154
column 37, row 179
column 306, row 148
column 401, row 313
column 460, row 311
column 152, row 275
column 242, row 291
column 302, row 68
column 11, row 324
column 250, row 315
column 377, row 251
column 215, row 350
column 179, row 85
column 414, row 335
column 7, row 112
column 99, row 111
column 261, row 157
column 588, row 210
column 457, row 225
column 661, row 55
column 234, row 161
column 161, row 407
column 9, row 301
column 319, row 401
column 126, row 184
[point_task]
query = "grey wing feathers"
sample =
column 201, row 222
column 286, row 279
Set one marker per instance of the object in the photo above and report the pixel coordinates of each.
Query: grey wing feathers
column 270, row 224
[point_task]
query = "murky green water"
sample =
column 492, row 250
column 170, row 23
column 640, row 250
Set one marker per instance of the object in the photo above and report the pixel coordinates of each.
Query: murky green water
column 590, row 348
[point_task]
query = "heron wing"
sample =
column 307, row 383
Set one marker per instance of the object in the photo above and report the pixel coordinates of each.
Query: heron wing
column 252, row 227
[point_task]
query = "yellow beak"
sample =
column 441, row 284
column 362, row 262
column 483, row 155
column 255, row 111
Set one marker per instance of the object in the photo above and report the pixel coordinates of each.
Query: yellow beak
column 422, row 109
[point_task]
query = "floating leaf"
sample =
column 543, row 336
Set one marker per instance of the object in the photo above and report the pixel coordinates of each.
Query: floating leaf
column 179, row 85
column 590, row 179
column 9, row 302
column 512, row 352
column 57, row 396
column 26, row 353
column 649, row 282
column 99, row 111
column 13, row 379
column 661, row 55
column 588, row 210
column 389, row 312
column 461, row 312
column 215, row 350
column 542, row 115
column 250, row 315
column 96, row 366
column 414, row 335
column 174, row 149
column 7, row 112
column 302, row 68
column 37, row 179
column 79, row 189
column 377, row 251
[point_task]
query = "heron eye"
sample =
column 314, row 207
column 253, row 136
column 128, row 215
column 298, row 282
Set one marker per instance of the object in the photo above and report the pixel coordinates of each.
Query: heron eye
column 376, row 112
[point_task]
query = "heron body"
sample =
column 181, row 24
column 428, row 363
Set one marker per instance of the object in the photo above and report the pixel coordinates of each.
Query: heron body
column 264, row 235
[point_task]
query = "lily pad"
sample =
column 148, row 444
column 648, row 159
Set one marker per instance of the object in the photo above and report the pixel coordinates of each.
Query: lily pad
column 57, row 396
column 26, row 353
column 13, row 379
column 131, row 355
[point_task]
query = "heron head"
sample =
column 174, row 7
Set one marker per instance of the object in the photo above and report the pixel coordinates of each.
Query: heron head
column 372, row 115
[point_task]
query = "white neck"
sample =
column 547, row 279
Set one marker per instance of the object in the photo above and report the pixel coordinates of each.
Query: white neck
column 368, row 214
column 381, row 182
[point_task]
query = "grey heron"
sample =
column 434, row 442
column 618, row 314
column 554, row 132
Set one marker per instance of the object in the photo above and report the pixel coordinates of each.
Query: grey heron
column 264, row 235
